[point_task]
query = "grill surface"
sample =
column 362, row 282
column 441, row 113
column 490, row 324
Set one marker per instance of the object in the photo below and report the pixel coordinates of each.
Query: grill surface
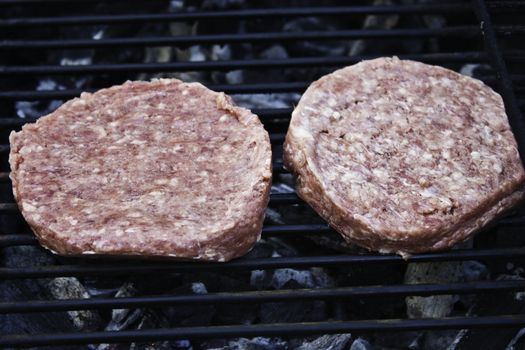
column 18, row 41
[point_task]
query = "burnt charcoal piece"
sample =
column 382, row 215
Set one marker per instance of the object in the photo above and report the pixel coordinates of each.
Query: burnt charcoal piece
column 330, row 341
column 40, row 289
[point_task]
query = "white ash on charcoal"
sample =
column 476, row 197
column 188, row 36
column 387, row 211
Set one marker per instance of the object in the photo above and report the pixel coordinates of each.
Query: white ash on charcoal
column 276, row 100
column 282, row 188
column 71, row 288
column 360, row 46
column 123, row 318
column 274, row 52
column 258, row 343
column 314, row 277
column 329, row 341
column 361, row 344
column 441, row 305
column 34, row 109
column 434, row 306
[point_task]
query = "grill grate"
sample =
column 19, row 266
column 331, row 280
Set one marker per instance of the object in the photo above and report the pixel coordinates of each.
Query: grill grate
column 275, row 119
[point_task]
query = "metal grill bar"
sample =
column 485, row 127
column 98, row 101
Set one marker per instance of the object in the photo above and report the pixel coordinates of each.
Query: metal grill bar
column 492, row 4
column 237, row 14
column 263, row 296
column 256, row 264
column 495, row 4
column 231, row 89
column 491, row 44
column 283, row 329
column 46, row 2
column 451, row 57
column 234, row 64
column 461, row 32
column 253, row 13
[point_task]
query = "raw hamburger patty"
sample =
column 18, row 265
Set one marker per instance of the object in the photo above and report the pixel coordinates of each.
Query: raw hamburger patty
column 399, row 156
column 149, row 169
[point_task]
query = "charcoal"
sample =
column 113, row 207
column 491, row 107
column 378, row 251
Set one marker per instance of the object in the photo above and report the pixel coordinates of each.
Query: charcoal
column 151, row 320
column 474, row 271
column 397, row 340
column 300, row 311
column 359, row 47
column 277, row 100
column 37, row 289
column 331, row 341
column 189, row 315
column 235, row 77
column 221, row 4
column 318, row 48
column 258, row 343
column 243, row 313
column 518, row 342
column 34, row 109
column 295, row 311
column 274, row 52
column 221, row 52
column 361, row 344
column 335, row 242
column 438, row 340
column 280, row 278
column 433, row 306
column 273, row 217
column 491, row 304
column 262, row 249
column 282, row 247
column 123, row 318
column 71, row 288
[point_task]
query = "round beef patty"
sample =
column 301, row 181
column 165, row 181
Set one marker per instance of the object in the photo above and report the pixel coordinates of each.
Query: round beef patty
column 400, row 156
column 159, row 168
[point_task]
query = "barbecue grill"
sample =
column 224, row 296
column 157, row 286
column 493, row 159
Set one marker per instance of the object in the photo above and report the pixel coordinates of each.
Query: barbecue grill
column 37, row 49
